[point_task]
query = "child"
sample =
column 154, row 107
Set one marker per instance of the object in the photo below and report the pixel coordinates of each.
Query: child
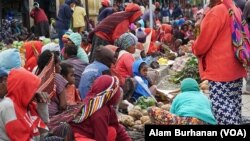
column 85, row 44
column 143, row 86
column 72, row 94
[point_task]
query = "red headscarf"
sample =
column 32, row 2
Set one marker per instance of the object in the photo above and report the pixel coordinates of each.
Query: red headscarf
column 104, row 91
column 167, row 38
column 131, row 7
column 22, row 86
column 105, row 3
column 101, row 84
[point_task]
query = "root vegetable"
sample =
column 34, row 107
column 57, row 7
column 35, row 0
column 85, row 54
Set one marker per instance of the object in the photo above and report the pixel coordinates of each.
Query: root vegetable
column 145, row 119
column 126, row 120
column 144, row 112
column 137, row 108
column 159, row 104
column 135, row 114
column 166, row 107
column 138, row 122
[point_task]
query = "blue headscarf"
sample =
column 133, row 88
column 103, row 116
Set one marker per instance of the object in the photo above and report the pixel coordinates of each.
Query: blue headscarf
column 10, row 59
column 141, row 85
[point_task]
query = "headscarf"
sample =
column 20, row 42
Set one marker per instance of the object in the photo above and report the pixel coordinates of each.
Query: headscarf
column 189, row 84
column 47, row 77
column 99, row 86
column 192, row 103
column 33, row 50
column 167, row 38
column 21, row 81
column 104, row 91
column 76, row 38
column 142, row 83
column 65, row 37
column 105, row 3
column 51, row 47
column 10, row 59
column 108, row 25
column 126, row 40
column 131, row 7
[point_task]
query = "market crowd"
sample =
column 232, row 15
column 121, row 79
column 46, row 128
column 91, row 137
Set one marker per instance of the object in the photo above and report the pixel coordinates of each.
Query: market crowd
column 71, row 81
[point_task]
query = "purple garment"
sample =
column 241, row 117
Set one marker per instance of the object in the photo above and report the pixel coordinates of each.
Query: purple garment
column 60, row 86
column 105, row 13
column 146, row 16
column 79, row 67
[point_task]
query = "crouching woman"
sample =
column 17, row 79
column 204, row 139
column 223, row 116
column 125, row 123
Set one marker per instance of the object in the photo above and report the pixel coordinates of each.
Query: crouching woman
column 190, row 107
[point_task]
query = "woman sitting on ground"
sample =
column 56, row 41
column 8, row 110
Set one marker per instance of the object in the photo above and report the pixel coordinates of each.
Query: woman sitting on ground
column 53, row 83
column 143, row 86
column 190, row 107
column 126, row 47
column 22, row 114
column 95, row 123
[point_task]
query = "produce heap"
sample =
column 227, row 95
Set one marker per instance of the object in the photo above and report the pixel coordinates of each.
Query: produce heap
column 138, row 116
column 190, row 70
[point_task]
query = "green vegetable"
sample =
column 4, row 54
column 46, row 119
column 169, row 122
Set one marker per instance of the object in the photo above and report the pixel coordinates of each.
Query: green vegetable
column 190, row 70
column 145, row 102
column 46, row 41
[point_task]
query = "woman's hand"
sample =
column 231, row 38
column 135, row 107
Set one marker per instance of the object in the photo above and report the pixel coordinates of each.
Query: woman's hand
column 42, row 97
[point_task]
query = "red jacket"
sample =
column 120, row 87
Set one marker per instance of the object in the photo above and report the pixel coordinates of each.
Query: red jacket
column 214, row 48
column 38, row 15
column 96, row 126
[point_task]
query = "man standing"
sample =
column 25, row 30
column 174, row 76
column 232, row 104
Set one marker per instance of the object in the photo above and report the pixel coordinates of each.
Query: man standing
column 63, row 19
column 41, row 21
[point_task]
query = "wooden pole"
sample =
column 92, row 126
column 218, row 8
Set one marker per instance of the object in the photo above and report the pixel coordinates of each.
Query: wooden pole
column 1, row 13
column 87, row 8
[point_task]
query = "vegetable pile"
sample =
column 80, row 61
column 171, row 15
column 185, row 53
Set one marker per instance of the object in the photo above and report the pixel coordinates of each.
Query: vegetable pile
column 145, row 102
column 190, row 70
column 138, row 116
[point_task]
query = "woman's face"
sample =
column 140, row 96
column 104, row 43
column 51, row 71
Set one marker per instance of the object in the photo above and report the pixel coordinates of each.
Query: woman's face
column 131, row 49
column 57, row 66
column 144, row 71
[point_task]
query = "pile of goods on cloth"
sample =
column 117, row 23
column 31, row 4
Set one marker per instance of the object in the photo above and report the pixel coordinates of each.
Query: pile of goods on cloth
column 138, row 116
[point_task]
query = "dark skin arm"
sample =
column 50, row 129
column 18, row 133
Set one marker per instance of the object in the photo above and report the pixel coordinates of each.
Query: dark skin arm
column 62, row 99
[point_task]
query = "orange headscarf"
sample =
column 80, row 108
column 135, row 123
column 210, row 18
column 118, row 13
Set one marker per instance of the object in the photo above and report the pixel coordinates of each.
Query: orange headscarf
column 33, row 50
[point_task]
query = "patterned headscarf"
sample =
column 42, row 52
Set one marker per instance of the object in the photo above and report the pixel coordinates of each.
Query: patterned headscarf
column 99, row 95
column 126, row 40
